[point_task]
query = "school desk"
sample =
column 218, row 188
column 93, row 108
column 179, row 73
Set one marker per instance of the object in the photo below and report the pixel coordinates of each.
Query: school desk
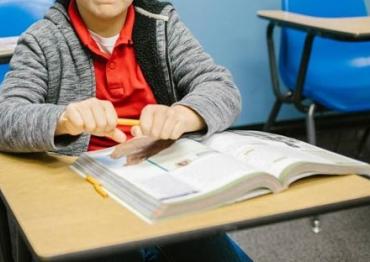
column 62, row 218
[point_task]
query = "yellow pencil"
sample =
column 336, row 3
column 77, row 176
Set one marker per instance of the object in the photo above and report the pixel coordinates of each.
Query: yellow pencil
column 92, row 181
column 101, row 191
column 120, row 122
column 97, row 186
column 128, row 122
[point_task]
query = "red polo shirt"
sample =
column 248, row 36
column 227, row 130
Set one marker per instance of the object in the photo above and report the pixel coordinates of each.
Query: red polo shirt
column 119, row 78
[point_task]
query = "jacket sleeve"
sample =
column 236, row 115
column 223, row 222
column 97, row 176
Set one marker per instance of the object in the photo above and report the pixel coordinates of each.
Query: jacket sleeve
column 205, row 87
column 27, row 123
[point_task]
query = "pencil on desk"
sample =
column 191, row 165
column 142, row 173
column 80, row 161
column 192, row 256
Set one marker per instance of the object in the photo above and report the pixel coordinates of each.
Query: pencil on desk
column 92, row 181
column 128, row 122
column 97, row 186
column 100, row 190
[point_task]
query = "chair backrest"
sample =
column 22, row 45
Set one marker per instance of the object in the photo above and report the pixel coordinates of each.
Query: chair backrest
column 17, row 15
column 292, row 40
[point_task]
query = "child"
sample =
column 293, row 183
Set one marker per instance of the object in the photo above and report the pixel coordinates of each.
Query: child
column 90, row 62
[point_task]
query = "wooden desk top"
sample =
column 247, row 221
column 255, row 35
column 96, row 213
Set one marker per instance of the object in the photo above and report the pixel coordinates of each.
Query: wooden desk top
column 62, row 216
column 356, row 28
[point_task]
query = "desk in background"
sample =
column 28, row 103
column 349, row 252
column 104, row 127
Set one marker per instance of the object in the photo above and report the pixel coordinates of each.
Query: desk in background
column 343, row 29
column 7, row 46
column 351, row 28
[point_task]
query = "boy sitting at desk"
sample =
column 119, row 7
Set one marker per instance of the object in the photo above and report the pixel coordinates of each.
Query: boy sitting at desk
column 90, row 62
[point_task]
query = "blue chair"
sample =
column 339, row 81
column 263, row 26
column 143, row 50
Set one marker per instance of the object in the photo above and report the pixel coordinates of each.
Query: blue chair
column 16, row 16
column 337, row 72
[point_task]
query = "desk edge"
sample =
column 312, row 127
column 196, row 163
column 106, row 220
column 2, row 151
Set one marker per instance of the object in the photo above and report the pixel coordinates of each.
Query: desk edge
column 320, row 31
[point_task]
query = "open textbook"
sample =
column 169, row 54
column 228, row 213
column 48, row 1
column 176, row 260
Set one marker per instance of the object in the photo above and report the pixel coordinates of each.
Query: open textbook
column 228, row 167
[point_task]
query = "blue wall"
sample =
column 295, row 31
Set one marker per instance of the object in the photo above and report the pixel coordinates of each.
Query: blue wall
column 231, row 32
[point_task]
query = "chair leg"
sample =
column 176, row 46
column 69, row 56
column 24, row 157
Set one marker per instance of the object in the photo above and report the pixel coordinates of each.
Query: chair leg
column 362, row 143
column 273, row 115
column 315, row 224
column 310, row 124
column 311, row 135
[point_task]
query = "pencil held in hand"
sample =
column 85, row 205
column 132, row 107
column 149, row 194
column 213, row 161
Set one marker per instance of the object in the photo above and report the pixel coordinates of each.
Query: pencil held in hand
column 92, row 116
column 128, row 122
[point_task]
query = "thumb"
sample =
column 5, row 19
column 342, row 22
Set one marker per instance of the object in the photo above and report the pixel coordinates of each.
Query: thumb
column 117, row 135
column 136, row 131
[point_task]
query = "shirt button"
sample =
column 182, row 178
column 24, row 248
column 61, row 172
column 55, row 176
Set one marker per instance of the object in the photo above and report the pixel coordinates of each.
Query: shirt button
column 112, row 65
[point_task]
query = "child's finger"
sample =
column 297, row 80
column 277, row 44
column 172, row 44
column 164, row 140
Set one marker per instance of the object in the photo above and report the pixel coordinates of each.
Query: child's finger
column 136, row 131
column 117, row 135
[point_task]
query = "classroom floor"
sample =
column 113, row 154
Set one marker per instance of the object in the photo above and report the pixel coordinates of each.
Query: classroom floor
column 345, row 235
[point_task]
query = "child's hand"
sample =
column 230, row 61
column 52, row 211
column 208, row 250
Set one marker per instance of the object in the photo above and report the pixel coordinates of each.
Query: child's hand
column 159, row 127
column 163, row 122
column 93, row 116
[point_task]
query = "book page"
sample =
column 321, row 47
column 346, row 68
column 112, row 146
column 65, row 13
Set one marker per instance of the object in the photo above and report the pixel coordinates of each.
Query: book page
column 202, row 168
column 184, row 169
column 148, row 177
column 212, row 172
column 273, row 153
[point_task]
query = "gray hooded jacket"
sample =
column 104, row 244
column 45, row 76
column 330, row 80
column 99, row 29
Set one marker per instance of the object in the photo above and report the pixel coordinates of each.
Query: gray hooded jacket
column 51, row 68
